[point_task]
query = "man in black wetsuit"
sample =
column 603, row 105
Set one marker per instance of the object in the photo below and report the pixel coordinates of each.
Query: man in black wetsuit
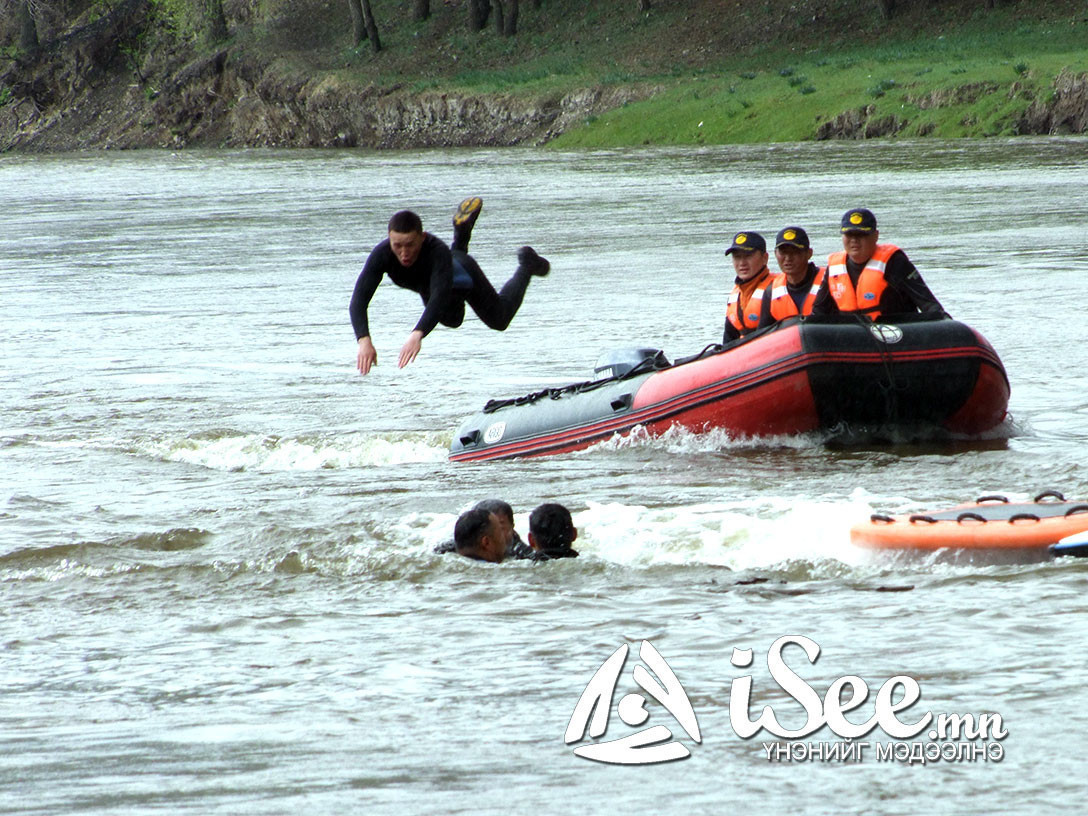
column 516, row 548
column 551, row 532
column 478, row 535
column 871, row 278
column 446, row 279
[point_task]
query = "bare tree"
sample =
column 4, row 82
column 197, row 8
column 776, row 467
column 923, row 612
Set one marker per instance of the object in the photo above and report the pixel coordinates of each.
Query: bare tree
column 358, row 27
column 478, row 13
column 363, row 26
column 421, row 10
column 371, row 27
column 215, row 22
column 511, row 27
column 506, row 17
column 25, row 23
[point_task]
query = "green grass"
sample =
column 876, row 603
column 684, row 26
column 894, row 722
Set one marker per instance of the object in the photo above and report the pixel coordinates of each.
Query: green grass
column 764, row 109
column 714, row 78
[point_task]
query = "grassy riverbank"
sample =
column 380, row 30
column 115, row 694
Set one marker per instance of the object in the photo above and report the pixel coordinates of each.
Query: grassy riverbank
column 733, row 72
column 958, row 93
column 684, row 72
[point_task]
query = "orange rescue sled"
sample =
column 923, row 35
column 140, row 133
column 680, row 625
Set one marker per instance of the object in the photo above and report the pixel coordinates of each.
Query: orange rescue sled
column 992, row 523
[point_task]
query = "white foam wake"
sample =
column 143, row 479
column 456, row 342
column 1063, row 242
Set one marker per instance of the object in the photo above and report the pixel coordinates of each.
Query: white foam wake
column 741, row 535
column 271, row 453
column 679, row 439
column 745, row 534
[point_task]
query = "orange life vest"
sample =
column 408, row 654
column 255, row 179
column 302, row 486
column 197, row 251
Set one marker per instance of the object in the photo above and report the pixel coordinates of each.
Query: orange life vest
column 865, row 298
column 782, row 305
column 745, row 298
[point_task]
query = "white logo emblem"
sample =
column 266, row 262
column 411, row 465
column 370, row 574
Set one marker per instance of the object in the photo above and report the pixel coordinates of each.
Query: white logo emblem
column 643, row 747
column 494, row 432
column 885, row 333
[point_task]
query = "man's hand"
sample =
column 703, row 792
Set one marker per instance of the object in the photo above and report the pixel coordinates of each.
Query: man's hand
column 367, row 356
column 410, row 348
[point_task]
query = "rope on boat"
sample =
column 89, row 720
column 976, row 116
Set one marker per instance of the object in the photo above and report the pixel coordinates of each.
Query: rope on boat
column 656, row 363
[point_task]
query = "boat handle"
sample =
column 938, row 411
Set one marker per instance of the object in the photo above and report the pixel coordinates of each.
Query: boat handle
column 622, row 403
column 1077, row 508
column 1023, row 517
column 875, row 517
column 962, row 517
column 995, row 498
column 920, row 517
column 1049, row 494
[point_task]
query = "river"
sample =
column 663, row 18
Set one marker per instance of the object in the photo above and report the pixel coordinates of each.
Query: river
column 216, row 538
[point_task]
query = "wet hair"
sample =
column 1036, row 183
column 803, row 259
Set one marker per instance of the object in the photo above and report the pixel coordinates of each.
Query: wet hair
column 405, row 221
column 552, row 527
column 498, row 507
column 470, row 528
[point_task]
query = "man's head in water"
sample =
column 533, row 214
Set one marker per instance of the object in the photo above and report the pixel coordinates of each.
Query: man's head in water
column 552, row 531
column 406, row 236
column 478, row 534
column 505, row 514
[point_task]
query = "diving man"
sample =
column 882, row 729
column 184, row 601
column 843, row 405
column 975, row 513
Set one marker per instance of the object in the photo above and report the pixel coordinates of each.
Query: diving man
column 446, row 279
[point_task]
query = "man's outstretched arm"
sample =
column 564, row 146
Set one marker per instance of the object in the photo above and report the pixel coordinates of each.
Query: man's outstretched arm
column 365, row 287
column 438, row 301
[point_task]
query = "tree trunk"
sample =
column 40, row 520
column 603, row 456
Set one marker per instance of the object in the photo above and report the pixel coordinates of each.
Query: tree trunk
column 371, row 27
column 511, row 27
column 887, row 8
column 28, row 29
column 358, row 29
column 478, row 12
column 215, row 22
column 421, row 10
column 643, row 5
column 500, row 24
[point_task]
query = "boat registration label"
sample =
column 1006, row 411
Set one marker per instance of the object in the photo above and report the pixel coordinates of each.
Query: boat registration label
column 886, row 334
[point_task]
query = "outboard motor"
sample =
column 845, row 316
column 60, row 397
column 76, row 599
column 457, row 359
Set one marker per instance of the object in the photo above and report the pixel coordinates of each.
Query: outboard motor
column 617, row 362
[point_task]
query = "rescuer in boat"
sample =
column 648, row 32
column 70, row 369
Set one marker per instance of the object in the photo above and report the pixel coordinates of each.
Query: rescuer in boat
column 870, row 278
column 792, row 291
column 742, row 315
column 551, row 532
column 446, row 278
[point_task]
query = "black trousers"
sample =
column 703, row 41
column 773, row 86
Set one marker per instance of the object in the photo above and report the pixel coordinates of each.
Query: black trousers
column 495, row 309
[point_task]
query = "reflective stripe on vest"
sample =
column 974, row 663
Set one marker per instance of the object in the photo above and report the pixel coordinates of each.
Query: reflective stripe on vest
column 865, row 298
column 782, row 305
column 746, row 321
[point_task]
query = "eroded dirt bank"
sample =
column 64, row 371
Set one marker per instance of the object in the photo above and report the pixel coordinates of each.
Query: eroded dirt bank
column 88, row 90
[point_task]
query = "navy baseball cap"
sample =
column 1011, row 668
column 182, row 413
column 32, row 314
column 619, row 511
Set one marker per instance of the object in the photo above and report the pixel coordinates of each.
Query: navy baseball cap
column 859, row 220
column 792, row 236
column 747, row 242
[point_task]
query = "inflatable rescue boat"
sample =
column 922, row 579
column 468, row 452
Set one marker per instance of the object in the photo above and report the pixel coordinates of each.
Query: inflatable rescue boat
column 915, row 378
column 1047, row 526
